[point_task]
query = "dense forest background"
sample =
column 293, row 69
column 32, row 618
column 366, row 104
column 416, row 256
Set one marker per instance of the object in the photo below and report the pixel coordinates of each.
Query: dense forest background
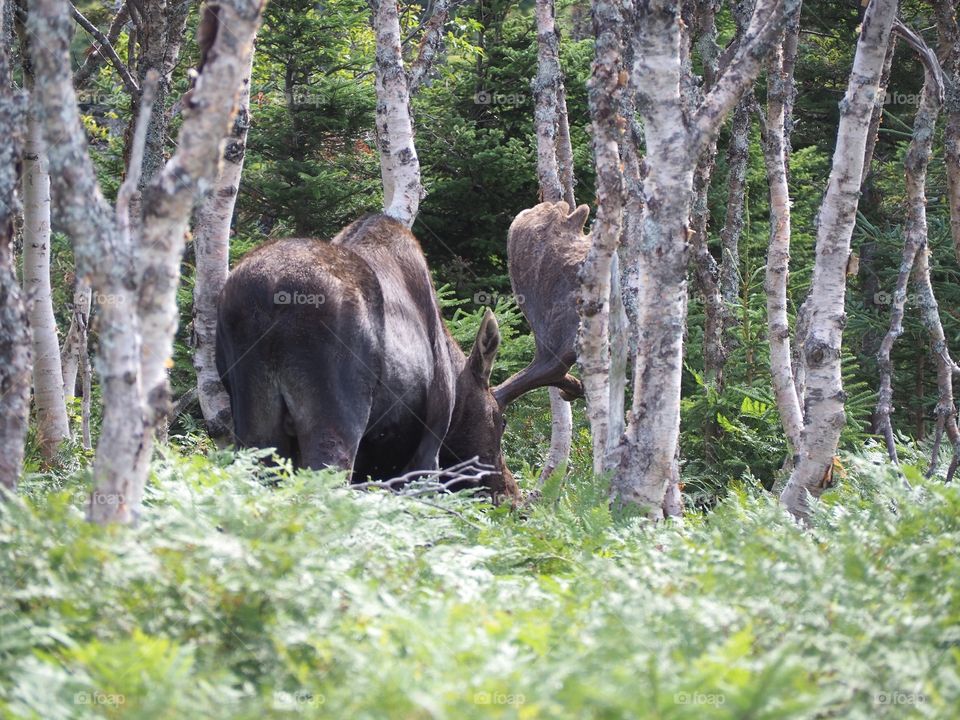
column 241, row 587
column 312, row 168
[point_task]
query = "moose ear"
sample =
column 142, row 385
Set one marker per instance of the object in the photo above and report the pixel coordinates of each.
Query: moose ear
column 578, row 218
column 485, row 348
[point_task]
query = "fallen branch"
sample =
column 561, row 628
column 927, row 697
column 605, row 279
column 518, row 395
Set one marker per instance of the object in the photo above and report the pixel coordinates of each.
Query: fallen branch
column 427, row 482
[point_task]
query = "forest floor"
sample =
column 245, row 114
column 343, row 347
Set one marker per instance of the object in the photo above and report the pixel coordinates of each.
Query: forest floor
column 249, row 592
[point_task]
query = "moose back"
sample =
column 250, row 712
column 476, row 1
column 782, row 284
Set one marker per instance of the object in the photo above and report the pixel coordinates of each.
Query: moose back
column 335, row 354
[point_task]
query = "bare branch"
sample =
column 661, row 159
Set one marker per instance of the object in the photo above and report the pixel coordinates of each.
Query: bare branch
column 106, row 47
column 927, row 56
column 427, row 482
column 431, row 43
column 766, row 25
column 94, row 55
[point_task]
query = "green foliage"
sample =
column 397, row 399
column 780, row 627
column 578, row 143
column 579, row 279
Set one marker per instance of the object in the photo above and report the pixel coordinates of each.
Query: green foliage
column 249, row 592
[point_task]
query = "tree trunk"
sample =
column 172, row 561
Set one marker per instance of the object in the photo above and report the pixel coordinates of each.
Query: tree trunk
column 137, row 302
column 604, row 89
column 211, row 239
column 75, row 344
column 825, row 416
column 915, row 244
column 779, row 89
column 161, row 26
column 14, row 331
column 675, row 140
column 946, row 411
column 949, row 34
column 555, row 175
column 53, row 427
column 399, row 164
column 738, row 157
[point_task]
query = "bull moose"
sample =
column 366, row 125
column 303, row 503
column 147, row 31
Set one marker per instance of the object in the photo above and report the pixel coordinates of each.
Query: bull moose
column 546, row 247
column 335, row 354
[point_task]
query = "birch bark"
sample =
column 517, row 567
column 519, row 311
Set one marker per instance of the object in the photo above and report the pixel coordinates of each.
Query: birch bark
column 399, row 164
column 604, row 89
column 53, row 427
column 14, row 330
column 948, row 31
column 779, row 93
column 555, row 175
column 137, row 301
column 824, row 413
column 211, row 240
column 675, row 140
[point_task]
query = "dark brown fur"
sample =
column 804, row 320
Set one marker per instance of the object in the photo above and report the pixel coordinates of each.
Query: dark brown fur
column 357, row 370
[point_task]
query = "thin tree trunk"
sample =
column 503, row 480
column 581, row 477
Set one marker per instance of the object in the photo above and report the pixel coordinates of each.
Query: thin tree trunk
column 779, row 88
column 675, row 139
column 825, row 415
column 604, row 90
column 738, row 156
column 949, row 34
column 915, row 244
column 75, row 344
column 53, row 426
column 399, row 164
column 946, row 411
column 211, row 239
column 14, row 330
column 160, row 33
column 555, row 175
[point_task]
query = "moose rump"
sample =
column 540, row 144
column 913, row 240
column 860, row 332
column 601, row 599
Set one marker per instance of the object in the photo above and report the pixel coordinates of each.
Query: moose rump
column 335, row 354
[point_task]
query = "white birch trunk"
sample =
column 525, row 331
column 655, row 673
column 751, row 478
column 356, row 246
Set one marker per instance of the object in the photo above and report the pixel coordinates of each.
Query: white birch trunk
column 948, row 31
column 53, row 426
column 779, row 89
column 555, row 174
column 674, row 142
column 605, row 88
column 211, row 238
column 14, row 332
column 75, row 343
column 399, row 164
column 136, row 327
column 825, row 417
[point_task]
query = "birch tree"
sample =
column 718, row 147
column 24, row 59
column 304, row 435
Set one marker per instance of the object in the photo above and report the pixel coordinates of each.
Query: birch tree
column 948, row 31
column 136, row 275
column 211, row 241
column 53, row 427
column 824, row 399
column 399, row 164
column 915, row 264
column 555, row 176
column 14, row 333
column 675, row 135
column 780, row 90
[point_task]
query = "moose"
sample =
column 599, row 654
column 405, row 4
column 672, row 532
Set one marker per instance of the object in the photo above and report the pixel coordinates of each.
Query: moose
column 336, row 355
column 545, row 248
